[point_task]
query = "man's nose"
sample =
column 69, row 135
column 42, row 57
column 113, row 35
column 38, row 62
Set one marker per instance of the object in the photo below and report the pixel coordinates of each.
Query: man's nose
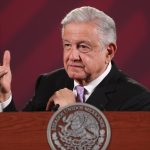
column 74, row 54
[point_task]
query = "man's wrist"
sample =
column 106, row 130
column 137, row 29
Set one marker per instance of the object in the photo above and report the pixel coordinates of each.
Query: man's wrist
column 4, row 97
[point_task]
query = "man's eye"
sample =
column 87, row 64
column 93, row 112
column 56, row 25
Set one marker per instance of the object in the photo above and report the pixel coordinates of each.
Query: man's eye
column 67, row 46
column 83, row 48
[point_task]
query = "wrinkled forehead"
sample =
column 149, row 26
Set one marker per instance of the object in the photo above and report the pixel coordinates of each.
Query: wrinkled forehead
column 76, row 25
column 82, row 31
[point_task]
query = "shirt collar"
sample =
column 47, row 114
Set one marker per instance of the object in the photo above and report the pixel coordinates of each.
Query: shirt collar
column 92, row 85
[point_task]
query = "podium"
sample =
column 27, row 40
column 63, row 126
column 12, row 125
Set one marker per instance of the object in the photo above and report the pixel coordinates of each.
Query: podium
column 28, row 130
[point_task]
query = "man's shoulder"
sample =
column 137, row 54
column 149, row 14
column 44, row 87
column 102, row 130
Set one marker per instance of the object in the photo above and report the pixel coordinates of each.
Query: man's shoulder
column 133, row 84
column 124, row 83
column 56, row 73
column 56, row 78
column 131, row 91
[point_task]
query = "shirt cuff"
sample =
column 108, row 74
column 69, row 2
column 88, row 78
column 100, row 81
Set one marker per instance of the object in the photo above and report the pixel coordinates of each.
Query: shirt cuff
column 5, row 103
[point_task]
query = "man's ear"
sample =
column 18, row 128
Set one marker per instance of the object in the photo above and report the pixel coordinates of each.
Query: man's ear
column 111, row 50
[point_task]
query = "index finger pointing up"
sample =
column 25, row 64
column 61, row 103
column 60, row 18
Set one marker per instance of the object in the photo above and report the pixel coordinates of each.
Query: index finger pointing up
column 6, row 58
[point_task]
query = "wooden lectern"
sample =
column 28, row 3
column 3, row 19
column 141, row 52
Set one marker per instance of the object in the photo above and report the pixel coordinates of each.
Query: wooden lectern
column 28, row 131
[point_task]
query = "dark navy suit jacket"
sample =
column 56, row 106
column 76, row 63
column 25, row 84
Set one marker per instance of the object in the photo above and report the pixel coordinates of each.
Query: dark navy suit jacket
column 117, row 92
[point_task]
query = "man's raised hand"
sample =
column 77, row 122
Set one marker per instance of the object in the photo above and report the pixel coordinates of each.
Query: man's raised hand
column 5, row 77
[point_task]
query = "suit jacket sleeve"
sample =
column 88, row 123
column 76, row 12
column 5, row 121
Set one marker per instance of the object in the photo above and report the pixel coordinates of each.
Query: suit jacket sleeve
column 10, row 107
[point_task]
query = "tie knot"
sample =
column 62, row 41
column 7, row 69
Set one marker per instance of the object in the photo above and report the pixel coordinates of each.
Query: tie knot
column 80, row 93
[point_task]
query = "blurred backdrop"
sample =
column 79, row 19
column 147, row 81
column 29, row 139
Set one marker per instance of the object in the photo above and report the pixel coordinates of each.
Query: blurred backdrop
column 30, row 29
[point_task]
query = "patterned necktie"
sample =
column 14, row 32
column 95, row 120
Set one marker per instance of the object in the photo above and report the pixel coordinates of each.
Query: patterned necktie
column 80, row 93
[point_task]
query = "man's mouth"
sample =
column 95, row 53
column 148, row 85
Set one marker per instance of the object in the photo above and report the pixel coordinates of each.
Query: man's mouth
column 76, row 65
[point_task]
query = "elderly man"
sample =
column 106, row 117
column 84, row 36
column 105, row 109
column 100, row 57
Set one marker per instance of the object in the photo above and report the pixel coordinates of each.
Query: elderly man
column 89, row 74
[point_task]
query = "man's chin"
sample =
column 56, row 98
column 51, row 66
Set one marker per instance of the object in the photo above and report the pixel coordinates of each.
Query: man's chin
column 76, row 76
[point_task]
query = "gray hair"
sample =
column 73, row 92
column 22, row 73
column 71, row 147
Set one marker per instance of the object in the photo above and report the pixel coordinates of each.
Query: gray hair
column 104, row 24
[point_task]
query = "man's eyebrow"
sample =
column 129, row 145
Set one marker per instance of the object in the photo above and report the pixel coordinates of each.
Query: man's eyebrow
column 78, row 42
column 65, row 40
column 87, row 42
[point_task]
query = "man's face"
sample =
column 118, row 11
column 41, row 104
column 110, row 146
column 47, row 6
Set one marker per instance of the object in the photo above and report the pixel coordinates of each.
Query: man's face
column 84, row 60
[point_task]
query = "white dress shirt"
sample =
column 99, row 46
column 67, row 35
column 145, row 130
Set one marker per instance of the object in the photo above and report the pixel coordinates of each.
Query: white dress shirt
column 93, row 84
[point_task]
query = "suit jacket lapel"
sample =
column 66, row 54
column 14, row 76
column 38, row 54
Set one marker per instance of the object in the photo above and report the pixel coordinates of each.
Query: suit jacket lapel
column 69, row 83
column 100, row 97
